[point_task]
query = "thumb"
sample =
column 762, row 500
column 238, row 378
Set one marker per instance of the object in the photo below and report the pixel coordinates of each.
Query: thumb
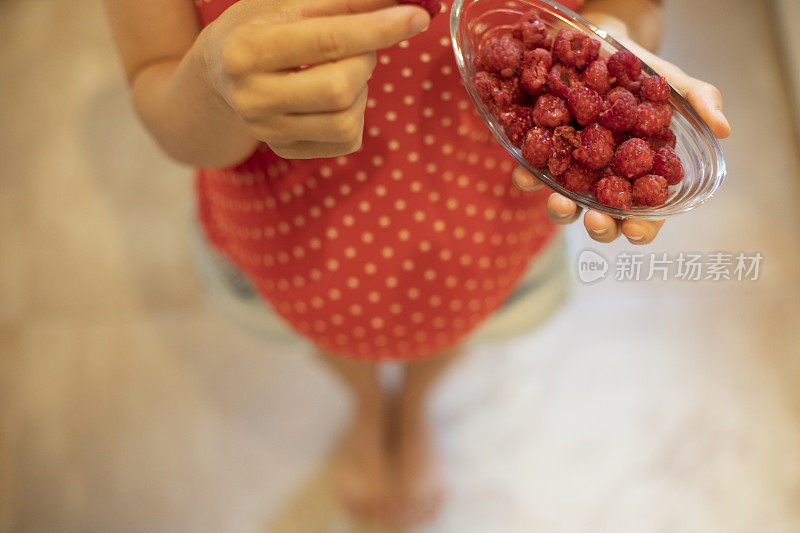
column 707, row 100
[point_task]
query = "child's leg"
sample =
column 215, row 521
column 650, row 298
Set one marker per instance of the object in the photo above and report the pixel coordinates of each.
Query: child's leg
column 419, row 479
column 363, row 473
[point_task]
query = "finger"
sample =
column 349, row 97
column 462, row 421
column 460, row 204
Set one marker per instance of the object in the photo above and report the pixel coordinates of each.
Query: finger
column 337, row 127
column 525, row 180
column 641, row 231
column 319, row 40
column 707, row 101
column 334, row 86
column 314, row 150
column 562, row 210
column 600, row 226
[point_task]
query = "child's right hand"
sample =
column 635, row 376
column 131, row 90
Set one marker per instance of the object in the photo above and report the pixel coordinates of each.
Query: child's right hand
column 254, row 50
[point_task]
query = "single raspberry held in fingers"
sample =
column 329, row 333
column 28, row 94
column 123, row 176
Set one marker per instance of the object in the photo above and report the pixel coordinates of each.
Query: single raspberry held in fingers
column 578, row 178
column 585, row 104
column 652, row 117
column 621, row 111
column 667, row 163
column 531, row 31
column 560, row 79
column 533, row 70
column 596, row 76
column 614, row 191
column 538, row 147
column 661, row 139
column 551, row 111
column 433, row 7
column 632, row 159
column 501, row 55
column 655, row 89
column 516, row 123
column 575, row 48
column 627, row 68
column 650, row 190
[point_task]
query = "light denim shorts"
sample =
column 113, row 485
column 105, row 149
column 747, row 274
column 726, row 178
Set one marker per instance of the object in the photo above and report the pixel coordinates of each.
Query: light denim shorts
column 539, row 294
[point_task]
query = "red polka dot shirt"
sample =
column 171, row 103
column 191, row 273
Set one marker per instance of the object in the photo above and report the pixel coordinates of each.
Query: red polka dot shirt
column 397, row 251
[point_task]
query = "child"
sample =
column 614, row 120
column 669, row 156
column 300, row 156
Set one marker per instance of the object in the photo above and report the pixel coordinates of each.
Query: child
column 380, row 225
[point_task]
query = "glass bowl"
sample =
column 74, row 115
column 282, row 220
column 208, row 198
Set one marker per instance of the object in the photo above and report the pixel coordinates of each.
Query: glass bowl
column 703, row 162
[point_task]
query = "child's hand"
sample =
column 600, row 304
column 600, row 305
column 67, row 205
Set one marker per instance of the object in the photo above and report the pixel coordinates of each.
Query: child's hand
column 707, row 101
column 254, row 52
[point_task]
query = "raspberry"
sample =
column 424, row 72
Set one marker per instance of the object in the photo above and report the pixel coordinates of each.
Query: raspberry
column 667, row 163
column 575, row 48
column 661, row 139
column 650, row 190
column 533, row 70
column 621, row 111
column 578, row 178
column 633, row 158
column 614, row 192
column 516, row 123
column 596, row 76
column 433, row 7
column 594, row 156
column 596, row 133
column 655, row 89
column 620, row 89
column 565, row 139
column 538, row 147
column 597, row 147
column 498, row 94
column 627, row 68
column 531, row 31
column 652, row 118
column 560, row 79
column 585, row 104
column 551, row 111
column 500, row 54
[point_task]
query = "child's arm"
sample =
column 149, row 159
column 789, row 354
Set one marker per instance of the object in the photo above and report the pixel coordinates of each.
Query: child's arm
column 632, row 22
column 208, row 97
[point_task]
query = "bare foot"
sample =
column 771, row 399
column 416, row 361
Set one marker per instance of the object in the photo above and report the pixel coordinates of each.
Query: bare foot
column 418, row 489
column 363, row 472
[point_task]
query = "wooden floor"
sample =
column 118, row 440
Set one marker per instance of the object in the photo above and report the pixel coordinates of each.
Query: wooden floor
column 128, row 404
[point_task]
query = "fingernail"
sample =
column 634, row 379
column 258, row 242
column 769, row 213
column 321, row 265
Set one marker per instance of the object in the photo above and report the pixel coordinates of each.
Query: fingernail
column 420, row 21
column 636, row 238
column 600, row 232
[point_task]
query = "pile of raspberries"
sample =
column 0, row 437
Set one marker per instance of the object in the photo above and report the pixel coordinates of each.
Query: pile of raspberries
column 599, row 125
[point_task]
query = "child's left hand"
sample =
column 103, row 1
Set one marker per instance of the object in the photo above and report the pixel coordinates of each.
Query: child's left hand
column 707, row 101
